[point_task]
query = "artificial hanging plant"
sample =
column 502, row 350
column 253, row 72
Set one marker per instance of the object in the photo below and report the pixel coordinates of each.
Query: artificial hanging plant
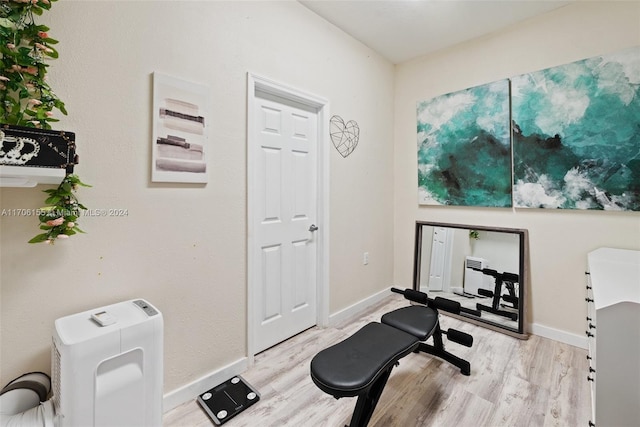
column 59, row 220
column 26, row 99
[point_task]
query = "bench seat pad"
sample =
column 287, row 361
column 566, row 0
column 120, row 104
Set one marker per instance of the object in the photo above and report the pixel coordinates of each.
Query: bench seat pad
column 350, row 367
column 417, row 320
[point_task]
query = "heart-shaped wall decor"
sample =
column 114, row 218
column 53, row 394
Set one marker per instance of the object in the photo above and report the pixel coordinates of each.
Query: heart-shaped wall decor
column 344, row 136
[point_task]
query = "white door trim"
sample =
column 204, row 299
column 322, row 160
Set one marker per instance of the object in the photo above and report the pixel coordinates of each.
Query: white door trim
column 448, row 262
column 321, row 105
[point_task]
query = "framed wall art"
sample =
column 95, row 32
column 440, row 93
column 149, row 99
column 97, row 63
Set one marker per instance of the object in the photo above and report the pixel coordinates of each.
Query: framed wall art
column 464, row 147
column 576, row 134
column 180, row 130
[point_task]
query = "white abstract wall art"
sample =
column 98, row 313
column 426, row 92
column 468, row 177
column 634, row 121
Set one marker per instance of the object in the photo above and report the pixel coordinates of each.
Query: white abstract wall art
column 180, row 130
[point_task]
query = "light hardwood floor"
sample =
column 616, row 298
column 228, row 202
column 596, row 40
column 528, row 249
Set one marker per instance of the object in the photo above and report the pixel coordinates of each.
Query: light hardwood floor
column 536, row 382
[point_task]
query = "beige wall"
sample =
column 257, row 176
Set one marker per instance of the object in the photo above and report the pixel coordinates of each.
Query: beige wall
column 183, row 247
column 559, row 240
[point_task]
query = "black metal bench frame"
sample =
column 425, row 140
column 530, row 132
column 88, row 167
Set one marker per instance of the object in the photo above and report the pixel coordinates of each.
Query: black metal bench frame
column 509, row 280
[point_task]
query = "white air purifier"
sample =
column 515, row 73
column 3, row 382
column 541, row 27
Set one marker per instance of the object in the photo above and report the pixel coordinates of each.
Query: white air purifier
column 473, row 279
column 107, row 367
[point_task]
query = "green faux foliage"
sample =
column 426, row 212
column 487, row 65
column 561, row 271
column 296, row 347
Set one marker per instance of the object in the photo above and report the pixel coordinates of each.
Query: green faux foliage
column 59, row 220
column 26, row 99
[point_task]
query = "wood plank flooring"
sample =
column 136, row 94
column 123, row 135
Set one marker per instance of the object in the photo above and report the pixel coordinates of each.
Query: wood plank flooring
column 536, row 382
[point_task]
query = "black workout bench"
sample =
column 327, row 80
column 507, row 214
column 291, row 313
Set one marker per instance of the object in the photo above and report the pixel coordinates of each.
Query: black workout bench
column 361, row 364
column 509, row 281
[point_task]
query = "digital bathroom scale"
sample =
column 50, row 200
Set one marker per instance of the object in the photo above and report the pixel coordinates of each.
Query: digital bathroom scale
column 228, row 399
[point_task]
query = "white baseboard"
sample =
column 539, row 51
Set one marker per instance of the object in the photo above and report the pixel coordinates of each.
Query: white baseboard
column 192, row 390
column 358, row 307
column 558, row 335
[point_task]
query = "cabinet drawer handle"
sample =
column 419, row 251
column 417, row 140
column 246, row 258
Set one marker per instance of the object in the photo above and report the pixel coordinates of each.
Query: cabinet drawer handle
column 589, row 357
column 589, row 319
column 591, row 369
column 589, row 334
column 591, row 424
column 589, row 378
column 589, row 287
column 592, row 326
column 588, row 300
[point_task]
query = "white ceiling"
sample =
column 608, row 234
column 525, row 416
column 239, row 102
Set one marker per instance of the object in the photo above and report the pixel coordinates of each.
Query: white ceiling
column 401, row 30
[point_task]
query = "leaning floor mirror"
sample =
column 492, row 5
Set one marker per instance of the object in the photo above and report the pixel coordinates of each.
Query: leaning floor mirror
column 483, row 268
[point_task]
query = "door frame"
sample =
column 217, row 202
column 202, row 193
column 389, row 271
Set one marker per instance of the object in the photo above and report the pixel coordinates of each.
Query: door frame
column 321, row 105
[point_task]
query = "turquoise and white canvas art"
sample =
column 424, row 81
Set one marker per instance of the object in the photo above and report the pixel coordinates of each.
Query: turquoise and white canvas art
column 576, row 131
column 464, row 148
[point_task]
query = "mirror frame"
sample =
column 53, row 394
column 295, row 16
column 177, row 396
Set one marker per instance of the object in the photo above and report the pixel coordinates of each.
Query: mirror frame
column 521, row 331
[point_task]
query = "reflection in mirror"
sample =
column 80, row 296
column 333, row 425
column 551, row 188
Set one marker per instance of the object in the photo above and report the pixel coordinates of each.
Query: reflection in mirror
column 483, row 268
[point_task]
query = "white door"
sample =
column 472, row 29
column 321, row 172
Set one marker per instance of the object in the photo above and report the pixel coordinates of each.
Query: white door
column 284, row 219
column 438, row 265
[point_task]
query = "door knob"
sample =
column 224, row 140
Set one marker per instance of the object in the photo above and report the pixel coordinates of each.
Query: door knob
column 313, row 228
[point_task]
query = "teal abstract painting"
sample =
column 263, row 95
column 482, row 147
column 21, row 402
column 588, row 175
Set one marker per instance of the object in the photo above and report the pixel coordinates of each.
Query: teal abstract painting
column 576, row 135
column 464, row 148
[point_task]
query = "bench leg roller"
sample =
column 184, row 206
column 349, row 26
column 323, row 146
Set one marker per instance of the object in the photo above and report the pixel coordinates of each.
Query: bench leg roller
column 460, row 337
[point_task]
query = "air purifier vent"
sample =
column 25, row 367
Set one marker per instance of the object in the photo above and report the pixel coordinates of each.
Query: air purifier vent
column 474, row 263
column 56, row 389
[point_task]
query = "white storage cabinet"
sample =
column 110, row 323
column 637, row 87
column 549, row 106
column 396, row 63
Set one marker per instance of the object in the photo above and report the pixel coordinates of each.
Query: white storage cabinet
column 613, row 329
